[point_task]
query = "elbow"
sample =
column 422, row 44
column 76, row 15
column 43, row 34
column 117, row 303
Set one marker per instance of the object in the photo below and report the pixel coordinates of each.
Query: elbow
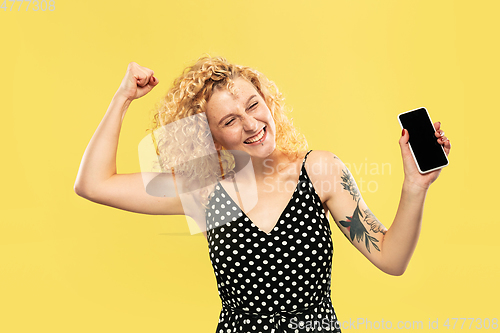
column 395, row 266
column 80, row 190
column 394, row 270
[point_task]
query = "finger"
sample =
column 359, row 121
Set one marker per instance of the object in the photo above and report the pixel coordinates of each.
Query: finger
column 408, row 162
column 403, row 142
column 148, row 74
column 439, row 133
column 442, row 140
column 154, row 81
column 143, row 79
column 150, row 79
column 142, row 75
column 437, row 125
column 134, row 70
column 139, row 79
column 446, row 144
column 405, row 136
column 447, row 147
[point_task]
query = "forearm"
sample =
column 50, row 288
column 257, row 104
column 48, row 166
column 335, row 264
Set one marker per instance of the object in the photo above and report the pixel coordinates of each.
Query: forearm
column 99, row 160
column 400, row 240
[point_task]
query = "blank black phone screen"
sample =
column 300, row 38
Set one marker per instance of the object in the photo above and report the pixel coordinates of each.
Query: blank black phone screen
column 427, row 151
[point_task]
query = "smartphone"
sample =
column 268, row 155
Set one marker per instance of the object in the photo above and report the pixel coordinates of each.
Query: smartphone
column 428, row 154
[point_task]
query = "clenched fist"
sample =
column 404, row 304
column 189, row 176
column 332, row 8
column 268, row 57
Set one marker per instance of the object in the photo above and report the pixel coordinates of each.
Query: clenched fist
column 138, row 81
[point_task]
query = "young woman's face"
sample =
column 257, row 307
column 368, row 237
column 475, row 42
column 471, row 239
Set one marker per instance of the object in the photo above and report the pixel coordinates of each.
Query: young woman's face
column 237, row 120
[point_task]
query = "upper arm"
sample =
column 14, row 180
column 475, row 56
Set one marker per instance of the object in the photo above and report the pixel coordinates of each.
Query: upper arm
column 349, row 210
column 128, row 192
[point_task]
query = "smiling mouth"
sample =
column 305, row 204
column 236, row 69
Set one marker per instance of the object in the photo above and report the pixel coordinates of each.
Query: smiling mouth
column 257, row 138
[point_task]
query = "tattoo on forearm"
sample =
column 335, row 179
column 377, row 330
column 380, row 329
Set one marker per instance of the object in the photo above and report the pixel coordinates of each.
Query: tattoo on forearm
column 354, row 223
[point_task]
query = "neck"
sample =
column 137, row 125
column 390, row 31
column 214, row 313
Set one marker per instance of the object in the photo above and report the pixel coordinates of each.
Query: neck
column 270, row 165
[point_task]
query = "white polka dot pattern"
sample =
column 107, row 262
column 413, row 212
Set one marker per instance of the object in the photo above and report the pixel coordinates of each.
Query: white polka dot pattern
column 275, row 282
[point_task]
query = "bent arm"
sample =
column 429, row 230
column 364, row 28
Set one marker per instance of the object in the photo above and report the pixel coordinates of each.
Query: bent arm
column 401, row 239
column 394, row 247
column 99, row 160
column 389, row 250
column 98, row 181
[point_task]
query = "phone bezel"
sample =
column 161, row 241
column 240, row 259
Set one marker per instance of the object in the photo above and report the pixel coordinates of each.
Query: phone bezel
column 411, row 150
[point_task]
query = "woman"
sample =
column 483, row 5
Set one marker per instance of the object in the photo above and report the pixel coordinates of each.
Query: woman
column 271, row 257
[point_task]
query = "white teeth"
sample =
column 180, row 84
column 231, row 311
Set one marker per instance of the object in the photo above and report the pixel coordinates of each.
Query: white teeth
column 257, row 138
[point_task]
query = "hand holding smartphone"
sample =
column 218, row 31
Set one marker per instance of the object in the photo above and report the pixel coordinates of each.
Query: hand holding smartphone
column 428, row 154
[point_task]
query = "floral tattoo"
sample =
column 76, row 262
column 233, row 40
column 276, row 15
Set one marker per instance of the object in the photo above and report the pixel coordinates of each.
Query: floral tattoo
column 349, row 185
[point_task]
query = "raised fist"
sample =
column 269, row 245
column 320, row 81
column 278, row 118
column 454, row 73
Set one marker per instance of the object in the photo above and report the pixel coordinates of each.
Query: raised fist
column 138, row 81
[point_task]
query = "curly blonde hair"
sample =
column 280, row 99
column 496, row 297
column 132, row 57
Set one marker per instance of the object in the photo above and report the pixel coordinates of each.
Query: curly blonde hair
column 188, row 97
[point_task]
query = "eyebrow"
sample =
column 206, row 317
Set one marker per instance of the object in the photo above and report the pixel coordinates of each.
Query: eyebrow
column 233, row 114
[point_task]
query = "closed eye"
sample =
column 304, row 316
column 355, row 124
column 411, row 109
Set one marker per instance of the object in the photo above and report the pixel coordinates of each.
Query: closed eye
column 251, row 107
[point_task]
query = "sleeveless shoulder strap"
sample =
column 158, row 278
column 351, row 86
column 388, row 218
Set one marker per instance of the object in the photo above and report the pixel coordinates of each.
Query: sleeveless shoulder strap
column 305, row 158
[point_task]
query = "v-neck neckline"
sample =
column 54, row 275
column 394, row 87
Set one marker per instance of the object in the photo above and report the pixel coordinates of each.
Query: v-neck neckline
column 301, row 173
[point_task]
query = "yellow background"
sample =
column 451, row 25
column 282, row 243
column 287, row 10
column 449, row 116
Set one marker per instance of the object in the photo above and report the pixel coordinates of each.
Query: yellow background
column 347, row 68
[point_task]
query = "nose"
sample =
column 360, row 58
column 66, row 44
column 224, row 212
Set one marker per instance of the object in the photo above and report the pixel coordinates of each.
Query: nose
column 250, row 124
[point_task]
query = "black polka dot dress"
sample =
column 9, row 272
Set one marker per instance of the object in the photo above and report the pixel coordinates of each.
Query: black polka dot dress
column 275, row 282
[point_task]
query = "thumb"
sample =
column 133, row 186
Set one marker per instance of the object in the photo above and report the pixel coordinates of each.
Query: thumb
column 153, row 81
column 403, row 143
column 150, row 85
column 403, row 140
